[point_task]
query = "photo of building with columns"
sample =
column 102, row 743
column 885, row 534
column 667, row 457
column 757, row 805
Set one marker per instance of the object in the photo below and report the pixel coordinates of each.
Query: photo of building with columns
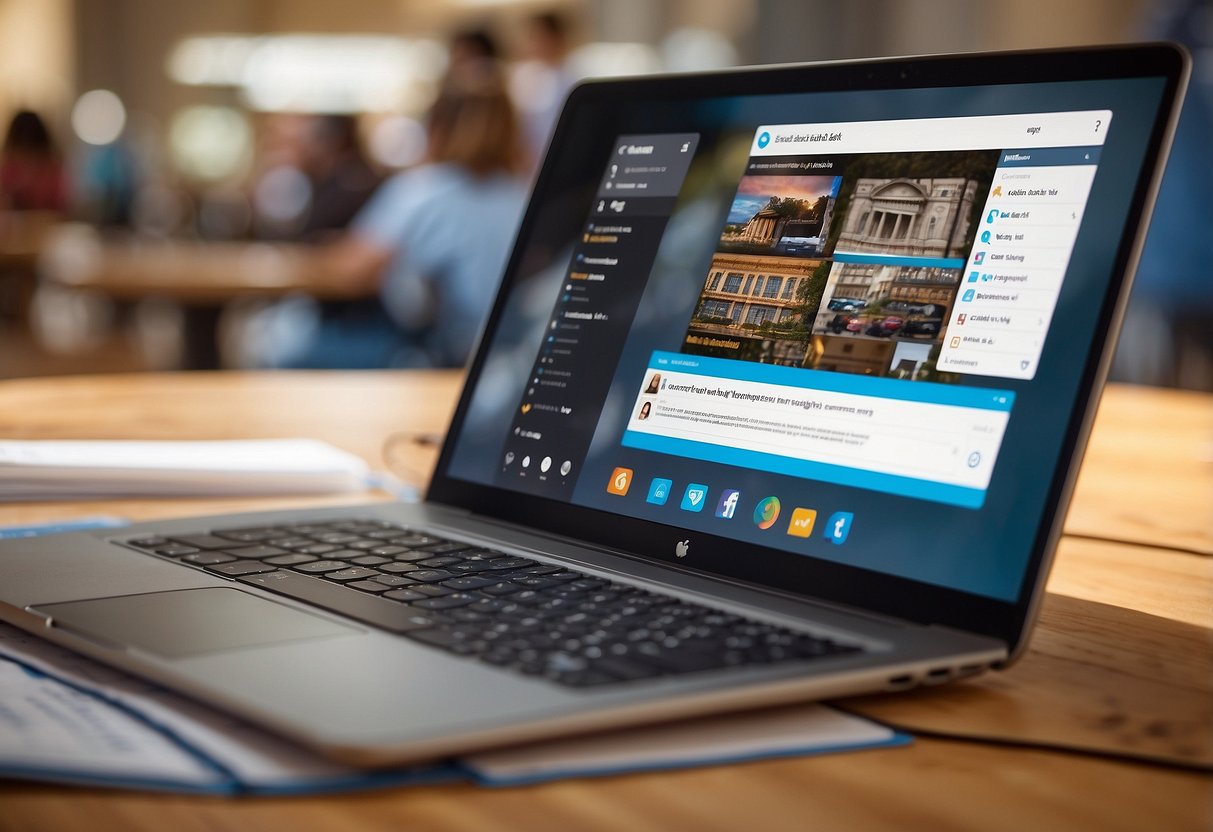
column 912, row 217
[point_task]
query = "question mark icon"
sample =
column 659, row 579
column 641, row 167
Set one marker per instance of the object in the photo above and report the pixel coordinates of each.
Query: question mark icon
column 1097, row 123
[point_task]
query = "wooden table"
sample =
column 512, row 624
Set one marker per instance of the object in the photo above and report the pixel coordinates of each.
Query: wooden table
column 1122, row 661
column 202, row 277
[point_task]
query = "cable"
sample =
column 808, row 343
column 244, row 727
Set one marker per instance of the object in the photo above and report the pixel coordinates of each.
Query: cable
column 1170, row 547
column 1034, row 745
column 401, row 463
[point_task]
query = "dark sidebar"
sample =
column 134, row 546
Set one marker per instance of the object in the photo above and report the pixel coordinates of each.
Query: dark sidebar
column 571, row 375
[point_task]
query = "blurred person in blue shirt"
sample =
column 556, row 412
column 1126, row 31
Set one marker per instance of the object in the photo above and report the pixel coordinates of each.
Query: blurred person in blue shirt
column 431, row 243
column 1168, row 331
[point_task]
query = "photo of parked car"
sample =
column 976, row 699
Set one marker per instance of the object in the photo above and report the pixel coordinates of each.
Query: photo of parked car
column 847, row 305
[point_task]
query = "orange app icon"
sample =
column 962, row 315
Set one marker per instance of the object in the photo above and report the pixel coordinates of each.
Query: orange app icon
column 802, row 522
column 620, row 482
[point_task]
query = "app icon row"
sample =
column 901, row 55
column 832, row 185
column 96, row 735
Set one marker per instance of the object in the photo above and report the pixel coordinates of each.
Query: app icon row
column 695, row 498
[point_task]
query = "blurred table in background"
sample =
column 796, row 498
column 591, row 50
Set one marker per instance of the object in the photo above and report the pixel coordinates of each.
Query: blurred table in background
column 202, row 277
column 23, row 234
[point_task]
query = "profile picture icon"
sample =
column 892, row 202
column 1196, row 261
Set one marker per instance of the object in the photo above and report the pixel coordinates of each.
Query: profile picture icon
column 645, row 410
column 654, row 384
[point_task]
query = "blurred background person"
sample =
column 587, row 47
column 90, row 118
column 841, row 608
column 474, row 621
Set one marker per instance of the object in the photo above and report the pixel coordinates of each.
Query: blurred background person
column 431, row 244
column 541, row 79
column 32, row 174
column 470, row 49
column 1168, row 331
column 342, row 180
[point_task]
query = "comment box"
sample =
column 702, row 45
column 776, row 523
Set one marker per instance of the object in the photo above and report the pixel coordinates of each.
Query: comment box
column 930, row 441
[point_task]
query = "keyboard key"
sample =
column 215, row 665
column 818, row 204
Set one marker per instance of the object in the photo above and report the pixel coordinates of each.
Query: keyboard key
column 259, row 552
column 431, row 590
column 290, row 560
column 430, row 576
column 388, row 551
column 458, row 599
column 534, row 582
column 368, row 586
column 248, row 535
column 202, row 541
column 290, row 542
column 468, row 582
column 353, row 573
column 395, row 568
column 318, row 567
column 240, row 567
column 393, row 580
column 404, row 595
column 208, row 558
column 412, row 540
column 318, row 549
column 482, row 554
column 441, row 548
column 369, row 560
column 361, row 606
column 511, row 563
column 176, row 550
column 409, row 556
column 470, row 567
column 386, row 534
column 336, row 537
column 148, row 542
column 502, row 589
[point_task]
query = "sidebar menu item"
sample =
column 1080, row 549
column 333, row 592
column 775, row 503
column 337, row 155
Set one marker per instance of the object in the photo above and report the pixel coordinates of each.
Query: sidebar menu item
column 593, row 312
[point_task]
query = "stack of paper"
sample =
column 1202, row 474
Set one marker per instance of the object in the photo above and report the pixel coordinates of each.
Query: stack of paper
column 67, row 719
column 65, row 469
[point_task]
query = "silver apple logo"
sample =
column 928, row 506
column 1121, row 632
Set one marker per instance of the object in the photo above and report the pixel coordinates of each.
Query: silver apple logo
column 682, row 548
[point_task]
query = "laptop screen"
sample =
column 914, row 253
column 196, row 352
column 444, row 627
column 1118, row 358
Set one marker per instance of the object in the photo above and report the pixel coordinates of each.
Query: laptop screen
column 811, row 327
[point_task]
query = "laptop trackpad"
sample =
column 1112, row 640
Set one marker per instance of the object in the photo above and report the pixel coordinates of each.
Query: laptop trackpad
column 189, row 622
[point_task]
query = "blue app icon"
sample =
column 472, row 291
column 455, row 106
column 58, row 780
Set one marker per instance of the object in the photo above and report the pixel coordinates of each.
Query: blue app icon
column 985, row 236
column 972, row 277
column 694, row 497
column 967, row 296
column 659, row 491
column 764, row 139
column 727, row 507
column 993, row 215
column 838, row 527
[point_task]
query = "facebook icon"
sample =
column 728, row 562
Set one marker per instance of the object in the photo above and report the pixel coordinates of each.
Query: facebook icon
column 728, row 503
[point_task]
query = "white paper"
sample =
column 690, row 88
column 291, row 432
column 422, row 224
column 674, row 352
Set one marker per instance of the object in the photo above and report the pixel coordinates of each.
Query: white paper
column 47, row 727
column 37, row 469
column 258, row 759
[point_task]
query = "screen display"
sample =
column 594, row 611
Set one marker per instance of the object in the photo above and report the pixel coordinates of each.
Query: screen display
column 837, row 327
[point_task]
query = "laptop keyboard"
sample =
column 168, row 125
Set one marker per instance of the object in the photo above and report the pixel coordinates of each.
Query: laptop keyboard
column 536, row 618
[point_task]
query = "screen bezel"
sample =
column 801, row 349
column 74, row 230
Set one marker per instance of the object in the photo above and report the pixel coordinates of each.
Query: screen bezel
column 870, row 590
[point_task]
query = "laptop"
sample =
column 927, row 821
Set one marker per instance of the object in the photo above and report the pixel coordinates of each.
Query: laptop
column 782, row 398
